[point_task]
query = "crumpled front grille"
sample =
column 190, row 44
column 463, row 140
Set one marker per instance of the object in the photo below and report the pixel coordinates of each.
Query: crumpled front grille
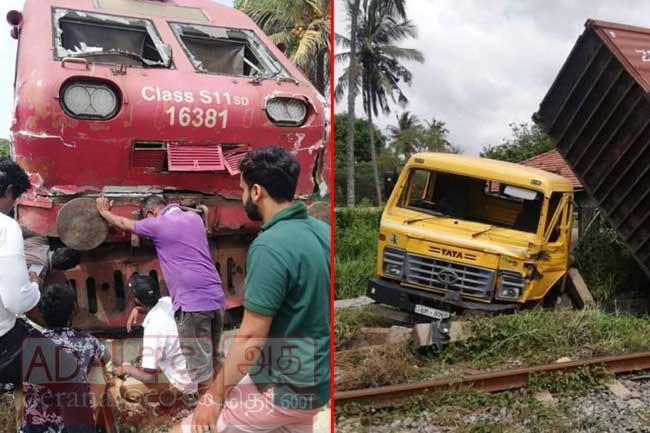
column 441, row 274
column 195, row 158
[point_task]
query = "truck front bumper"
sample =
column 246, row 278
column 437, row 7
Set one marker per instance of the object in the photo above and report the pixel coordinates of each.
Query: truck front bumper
column 405, row 298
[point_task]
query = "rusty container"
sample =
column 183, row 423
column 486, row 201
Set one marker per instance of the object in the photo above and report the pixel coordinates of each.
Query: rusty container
column 598, row 113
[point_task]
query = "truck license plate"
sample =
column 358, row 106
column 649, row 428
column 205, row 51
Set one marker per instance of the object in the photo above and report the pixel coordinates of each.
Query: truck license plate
column 431, row 312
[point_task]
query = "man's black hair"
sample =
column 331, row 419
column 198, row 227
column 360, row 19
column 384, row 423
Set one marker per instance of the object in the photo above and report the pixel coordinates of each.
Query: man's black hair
column 145, row 289
column 273, row 168
column 12, row 174
column 151, row 202
column 65, row 258
column 57, row 305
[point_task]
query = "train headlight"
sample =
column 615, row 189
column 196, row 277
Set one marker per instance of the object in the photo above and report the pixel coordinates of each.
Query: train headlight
column 89, row 100
column 286, row 111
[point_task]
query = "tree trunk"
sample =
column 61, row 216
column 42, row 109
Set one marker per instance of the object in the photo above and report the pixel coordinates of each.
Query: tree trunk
column 373, row 153
column 320, row 72
column 351, row 96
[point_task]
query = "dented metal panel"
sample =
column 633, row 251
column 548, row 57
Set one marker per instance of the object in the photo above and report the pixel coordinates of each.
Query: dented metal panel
column 233, row 157
column 126, row 157
column 598, row 113
column 153, row 9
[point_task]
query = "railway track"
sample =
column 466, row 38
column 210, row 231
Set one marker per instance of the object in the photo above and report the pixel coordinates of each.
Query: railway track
column 495, row 381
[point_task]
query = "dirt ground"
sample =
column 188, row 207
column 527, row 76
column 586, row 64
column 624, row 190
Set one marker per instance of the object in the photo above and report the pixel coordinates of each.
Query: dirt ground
column 7, row 413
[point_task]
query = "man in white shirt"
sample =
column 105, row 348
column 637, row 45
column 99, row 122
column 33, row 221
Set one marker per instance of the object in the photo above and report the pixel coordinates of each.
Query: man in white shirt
column 161, row 348
column 45, row 259
column 19, row 293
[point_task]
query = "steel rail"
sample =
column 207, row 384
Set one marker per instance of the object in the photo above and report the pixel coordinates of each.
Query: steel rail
column 492, row 381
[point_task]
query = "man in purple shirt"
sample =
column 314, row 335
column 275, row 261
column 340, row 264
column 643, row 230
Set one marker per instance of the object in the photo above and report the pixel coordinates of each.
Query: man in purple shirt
column 192, row 279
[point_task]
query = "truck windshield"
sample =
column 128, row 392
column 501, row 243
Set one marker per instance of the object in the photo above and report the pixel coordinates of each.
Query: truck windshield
column 226, row 51
column 472, row 199
column 108, row 39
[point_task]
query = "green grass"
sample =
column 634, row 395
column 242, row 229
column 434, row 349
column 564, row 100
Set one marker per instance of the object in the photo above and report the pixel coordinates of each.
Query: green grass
column 464, row 410
column 540, row 336
column 524, row 339
column 355, row 245
column 347, row 323
column 570, row 382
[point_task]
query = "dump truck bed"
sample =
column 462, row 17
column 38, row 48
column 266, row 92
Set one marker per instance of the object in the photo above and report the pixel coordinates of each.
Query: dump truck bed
column 598, row 113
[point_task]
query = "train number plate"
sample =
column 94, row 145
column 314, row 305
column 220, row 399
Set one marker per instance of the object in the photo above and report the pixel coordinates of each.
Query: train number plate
column 431, row 312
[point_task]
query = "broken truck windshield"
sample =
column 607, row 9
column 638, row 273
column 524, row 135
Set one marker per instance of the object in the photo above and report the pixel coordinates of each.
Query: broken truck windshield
column 108, row 39
column 226, row 51
column 471, row 199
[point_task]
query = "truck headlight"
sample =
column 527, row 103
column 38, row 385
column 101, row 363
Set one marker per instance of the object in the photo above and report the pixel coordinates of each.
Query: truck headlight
column 286, row 111
column 511, row 284
column 85, row 100
column 393, row 262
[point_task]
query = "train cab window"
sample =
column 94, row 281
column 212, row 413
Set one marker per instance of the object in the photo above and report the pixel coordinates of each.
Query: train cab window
column 109, row 39
column 226, row 51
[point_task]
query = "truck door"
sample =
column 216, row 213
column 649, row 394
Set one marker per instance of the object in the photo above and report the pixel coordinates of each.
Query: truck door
column 557, row 238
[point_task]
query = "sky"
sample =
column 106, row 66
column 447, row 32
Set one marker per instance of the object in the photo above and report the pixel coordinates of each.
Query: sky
column 486, row 66
column 8, row 61
column 490, row 63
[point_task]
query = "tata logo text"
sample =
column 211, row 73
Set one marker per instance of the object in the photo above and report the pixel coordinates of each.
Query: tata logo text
column 452, row 253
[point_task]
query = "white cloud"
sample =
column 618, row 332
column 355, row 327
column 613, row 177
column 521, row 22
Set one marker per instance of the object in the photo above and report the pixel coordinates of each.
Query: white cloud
column 490, row 64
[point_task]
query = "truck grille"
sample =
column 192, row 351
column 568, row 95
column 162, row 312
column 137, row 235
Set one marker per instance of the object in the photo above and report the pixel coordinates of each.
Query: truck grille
column 440, row 274
column 394, row 256
column 512, row 280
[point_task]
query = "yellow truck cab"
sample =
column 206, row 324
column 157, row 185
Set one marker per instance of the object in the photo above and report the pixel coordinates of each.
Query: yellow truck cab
column 468, row 233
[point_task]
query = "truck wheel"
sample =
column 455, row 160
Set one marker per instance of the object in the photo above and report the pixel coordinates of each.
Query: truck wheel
column 550, row 300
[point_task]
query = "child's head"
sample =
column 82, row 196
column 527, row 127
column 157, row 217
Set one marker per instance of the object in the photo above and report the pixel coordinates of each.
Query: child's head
column 57, row 305
column 145, row 289
column 65, row 258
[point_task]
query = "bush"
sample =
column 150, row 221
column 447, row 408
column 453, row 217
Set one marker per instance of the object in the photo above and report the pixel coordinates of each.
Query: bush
column 606, row 264
column 4, row 147
column 355, row 246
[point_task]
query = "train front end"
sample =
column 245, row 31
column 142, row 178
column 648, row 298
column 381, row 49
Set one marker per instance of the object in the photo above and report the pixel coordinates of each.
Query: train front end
column 125, row 98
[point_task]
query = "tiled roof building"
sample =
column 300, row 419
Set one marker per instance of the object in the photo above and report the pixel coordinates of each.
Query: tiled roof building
column 553, row 162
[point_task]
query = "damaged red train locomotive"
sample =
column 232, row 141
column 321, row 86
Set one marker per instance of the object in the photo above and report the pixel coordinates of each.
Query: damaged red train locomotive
column 128, row 97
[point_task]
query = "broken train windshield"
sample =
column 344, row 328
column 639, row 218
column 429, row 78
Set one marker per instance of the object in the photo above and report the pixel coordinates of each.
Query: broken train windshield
column 226, row 51
column 108, row 39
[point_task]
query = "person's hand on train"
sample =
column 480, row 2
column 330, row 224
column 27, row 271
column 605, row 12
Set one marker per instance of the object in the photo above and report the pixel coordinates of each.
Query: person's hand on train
column 103, row 205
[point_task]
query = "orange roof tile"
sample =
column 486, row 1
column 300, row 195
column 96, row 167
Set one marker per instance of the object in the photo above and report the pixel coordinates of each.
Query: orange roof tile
column 552, row 161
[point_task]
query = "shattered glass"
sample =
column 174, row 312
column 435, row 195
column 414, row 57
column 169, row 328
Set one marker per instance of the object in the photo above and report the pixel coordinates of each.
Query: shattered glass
column 220, row 50
column 109, row 39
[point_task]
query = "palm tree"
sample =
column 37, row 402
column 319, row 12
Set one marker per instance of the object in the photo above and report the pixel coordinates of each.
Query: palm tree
column 405, row 122
column 302, row 26
column 381, row 28
column 353, row 11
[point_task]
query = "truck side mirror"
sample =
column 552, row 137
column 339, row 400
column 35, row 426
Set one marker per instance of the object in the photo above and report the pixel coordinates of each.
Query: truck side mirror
column 390, row 179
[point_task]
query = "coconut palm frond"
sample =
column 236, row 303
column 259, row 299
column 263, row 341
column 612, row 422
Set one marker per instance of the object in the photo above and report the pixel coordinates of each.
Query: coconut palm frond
column 400, row 53
column 309, row 44
column 282, row 38
column 342, row 57
column 302, row 25
column 341, row 40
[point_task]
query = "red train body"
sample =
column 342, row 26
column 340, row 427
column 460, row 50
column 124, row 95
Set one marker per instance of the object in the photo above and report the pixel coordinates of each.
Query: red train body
column 129, row 97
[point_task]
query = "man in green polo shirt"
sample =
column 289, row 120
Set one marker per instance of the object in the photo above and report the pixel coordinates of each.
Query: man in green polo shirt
column 277, row 372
